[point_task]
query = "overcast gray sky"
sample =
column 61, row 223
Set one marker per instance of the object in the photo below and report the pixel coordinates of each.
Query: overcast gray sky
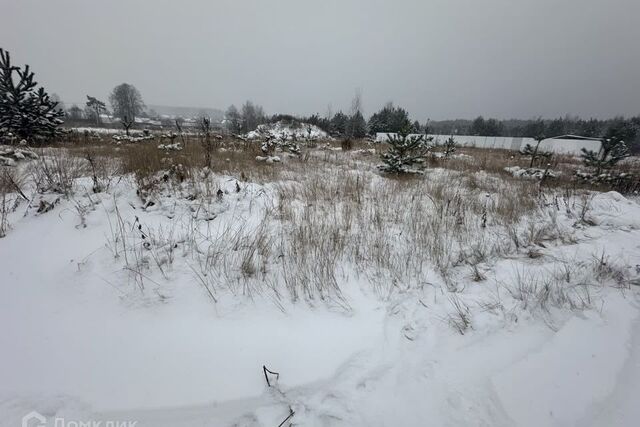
column 437, row 58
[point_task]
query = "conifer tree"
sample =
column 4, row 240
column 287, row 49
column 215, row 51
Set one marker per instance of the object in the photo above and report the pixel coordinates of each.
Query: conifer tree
column 405, row 152
column 449, row 147
column 357, row 126
column 534, row 152
column 613, row 150
column 26, row 110
column 96, row 107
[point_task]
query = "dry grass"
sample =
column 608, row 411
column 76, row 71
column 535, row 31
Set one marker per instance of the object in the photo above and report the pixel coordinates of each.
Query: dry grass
column 336, row 222
column 328, row 218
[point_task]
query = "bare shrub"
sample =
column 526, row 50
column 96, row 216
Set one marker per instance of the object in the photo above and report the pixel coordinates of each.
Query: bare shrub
column 10, row 196
column 607, row 270
column 541, row 292
column 103, row 170
column 460, row 319
column 329, row 216
column 56, row 171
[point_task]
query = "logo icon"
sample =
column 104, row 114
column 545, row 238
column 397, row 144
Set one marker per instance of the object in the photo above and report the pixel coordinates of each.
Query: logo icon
column 34, row 419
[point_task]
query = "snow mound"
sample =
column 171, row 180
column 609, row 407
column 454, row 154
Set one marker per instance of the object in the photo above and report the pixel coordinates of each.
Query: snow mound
column 290, row 130
column 129, row 138
column 96, row 131
column 268, row 159
column 532, row 173
column 10, row 155
column 176, row 146
column 613, row 210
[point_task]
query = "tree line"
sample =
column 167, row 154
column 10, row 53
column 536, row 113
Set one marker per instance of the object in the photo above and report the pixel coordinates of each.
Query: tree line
column 23, row 104
column 568, row 125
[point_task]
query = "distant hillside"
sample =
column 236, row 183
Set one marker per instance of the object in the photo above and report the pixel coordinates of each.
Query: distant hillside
column 186, row 112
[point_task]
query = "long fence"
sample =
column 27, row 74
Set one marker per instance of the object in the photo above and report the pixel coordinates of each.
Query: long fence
column 560, row 146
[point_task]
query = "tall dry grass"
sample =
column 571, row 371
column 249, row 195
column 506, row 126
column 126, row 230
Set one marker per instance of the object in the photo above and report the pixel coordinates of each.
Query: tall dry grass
column 323, row 219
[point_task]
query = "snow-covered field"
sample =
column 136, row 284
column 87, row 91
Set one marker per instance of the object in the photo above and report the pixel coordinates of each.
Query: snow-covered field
column 451, row 299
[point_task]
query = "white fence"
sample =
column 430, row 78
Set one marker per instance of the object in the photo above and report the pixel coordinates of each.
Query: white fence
column 560, row 146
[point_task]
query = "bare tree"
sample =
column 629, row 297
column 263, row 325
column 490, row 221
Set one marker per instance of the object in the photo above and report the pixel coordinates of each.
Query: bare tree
column 357, row 126
column 179, row 121
column 205, row 128
column 126, row 124
column 74, row 113
column 233, row 119
column 329, row 113
column 252, row 116
column 356, row 102
column 126, row 101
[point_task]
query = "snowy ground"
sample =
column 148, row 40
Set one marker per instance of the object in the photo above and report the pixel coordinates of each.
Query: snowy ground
column 101, row 323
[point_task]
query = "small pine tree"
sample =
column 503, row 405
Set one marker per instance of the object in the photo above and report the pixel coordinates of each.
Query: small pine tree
column 25, row 111
column 405, row 152
column 449, row 147
column 534, row 152
column 612, row 150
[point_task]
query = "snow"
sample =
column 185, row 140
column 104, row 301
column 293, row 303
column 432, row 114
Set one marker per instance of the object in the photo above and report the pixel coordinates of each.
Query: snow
column 176, row 146
column 268, row 159
column 301, row 131
column 98, row 130
column 571, row 372
column 82, row 341
column 531, row 173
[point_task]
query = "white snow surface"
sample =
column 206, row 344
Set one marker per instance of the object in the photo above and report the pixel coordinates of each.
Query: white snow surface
column 78, row 341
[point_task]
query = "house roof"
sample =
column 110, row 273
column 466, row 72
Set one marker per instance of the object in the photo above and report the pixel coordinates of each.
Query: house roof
column 577, row 137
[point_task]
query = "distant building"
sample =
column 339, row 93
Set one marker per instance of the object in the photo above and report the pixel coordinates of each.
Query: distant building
column 564, row 144
column 576, row 137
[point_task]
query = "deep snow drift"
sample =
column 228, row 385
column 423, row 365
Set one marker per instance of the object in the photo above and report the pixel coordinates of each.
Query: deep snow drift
column 549, row 336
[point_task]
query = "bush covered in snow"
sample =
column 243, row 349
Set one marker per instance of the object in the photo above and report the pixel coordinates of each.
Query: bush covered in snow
column 10, row 155
column 289, row 131
column 533, row 173
column 132, row 138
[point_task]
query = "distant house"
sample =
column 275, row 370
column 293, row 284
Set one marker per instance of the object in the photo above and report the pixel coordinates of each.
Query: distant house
column 576, row 137
column 571, row 144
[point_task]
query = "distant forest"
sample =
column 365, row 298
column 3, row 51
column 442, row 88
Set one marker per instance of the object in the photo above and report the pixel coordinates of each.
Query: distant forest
column 528, row 128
